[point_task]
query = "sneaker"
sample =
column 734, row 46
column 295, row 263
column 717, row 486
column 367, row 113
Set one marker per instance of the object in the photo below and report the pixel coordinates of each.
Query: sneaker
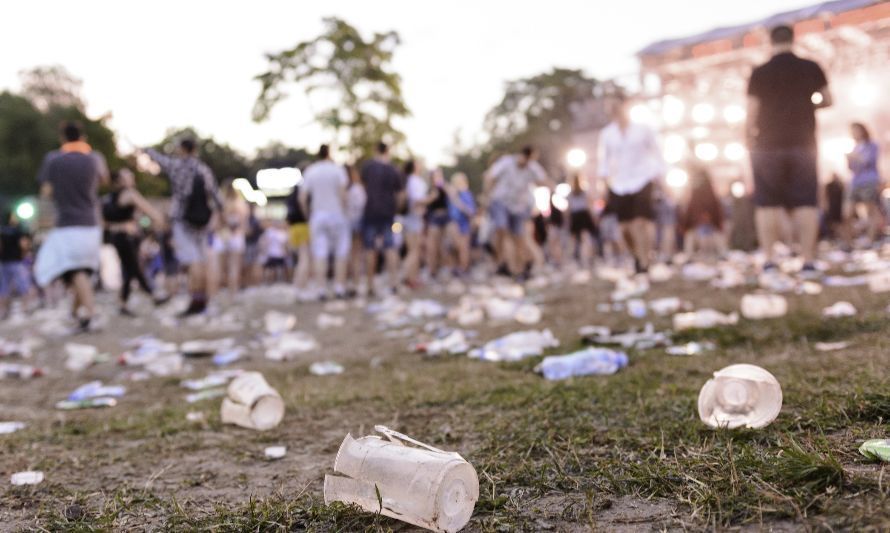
column 770, row 266
column 502, row 270
column 162, row 300
column 123, row 311
column 809, row 271
column 195, row 308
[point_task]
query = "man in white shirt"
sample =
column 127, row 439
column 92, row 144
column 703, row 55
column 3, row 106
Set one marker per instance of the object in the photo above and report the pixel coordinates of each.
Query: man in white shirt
column 508, row 187
column 325, row 182
column 630, row 161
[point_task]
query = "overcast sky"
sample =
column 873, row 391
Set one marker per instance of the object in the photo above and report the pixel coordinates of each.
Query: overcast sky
column 164, row 63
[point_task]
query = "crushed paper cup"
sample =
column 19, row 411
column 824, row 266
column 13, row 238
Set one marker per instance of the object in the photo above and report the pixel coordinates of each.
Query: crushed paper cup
column 252, row 403
column 527, row 314
column 325, row 368
column 839, row 309
column 760, row 306
column 703, row 319
column 740, row 396
column 275, row 452
column 27, row 478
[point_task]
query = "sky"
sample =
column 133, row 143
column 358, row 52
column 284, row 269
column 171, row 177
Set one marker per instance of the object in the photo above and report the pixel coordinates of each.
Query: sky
column 162, row 64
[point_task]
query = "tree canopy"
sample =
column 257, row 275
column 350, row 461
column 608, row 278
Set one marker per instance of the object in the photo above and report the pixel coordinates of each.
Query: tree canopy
column 363, row 95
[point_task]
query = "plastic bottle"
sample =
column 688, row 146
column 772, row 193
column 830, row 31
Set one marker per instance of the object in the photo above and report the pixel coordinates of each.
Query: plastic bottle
column 591, row 361
column 404, row 479
column 702, row 319
column 636, row 308
column 760, row 306
column 740, row 396
column 95, row 389
column 68, row 405
column 19, row 371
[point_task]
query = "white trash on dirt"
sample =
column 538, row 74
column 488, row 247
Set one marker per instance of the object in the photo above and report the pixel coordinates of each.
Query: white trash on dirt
column 703, row 319
column 587, row 362
column 831, row 346
column 876, row 449
column 24, row 348
column 776, row 282
column 636, row 308
column 81, row 356
column 195, row 416
column 167, row 365
column 95, row 389
column 699, row 272
column 839, row 309
column 325, row 368
column 499, row 309
column 212, row 380
column 690, row 348
column 879, row 281
column 275, row 452
column 809, row 288
column 845, row 281
column 206, row 348
column 729, row 278
column 425, row 309
column 761, row 306
column 627, row 288
column 453, row 343
column 527, row 314
column 276, row 322
column 27, row 478
column 740, row 396
column 11, row 427
column 326, row 321
column 404, row 479
column 516, row 346
column 660, row 272
column 289, row 345
column 581, row 277
column 666, row 306
column 252, row 403
column 19, row 371
column 206, row 394
column 634, row 338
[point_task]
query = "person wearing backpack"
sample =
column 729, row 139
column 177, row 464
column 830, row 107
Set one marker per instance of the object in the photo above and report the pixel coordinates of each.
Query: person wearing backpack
column 195, row 202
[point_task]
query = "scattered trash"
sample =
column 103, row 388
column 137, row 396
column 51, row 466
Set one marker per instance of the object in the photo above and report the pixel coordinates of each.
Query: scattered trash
column 729, row 278
column 23, row 349
column 454, row 342
column 760, row 306
column 660, row 272
column 326, row 321
column 275, row 452
column 325, row 368
column 92, row 403
column 810, row 288
column 777, row 282
column 879, row 281
column 876, row 449
column 842, row 281
column 636, row 308
column 11, row 427
column 227, row 357
column 95, row 389
column 19, row 371
column 516, row 346
column 288, row 345
column 644, row 339
column 703, row 319
column 839, row 309
column 740, row 396
column 666, row 306
column 81, row 356
column 167, row 365
column 404, row 479
column 527, row 314
column 591, row 361
column 581, row 277
column 212, row 380
column 426, row 309
column 27, row 478
column 627, row 288
column 195, row 416
column 699, row 272
column 690, row 348
column 206, row 394
column 252, row 403
column 831, row 346
column 277, row 322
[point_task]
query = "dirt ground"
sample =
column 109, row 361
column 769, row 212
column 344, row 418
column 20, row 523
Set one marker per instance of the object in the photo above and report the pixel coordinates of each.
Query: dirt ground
column 143, row 466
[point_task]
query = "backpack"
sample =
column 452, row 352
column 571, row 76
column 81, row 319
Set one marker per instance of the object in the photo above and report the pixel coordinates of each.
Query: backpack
column 196, row 210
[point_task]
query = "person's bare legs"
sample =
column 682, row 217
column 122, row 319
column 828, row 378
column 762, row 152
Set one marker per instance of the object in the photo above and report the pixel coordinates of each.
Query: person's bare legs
column 391, row 257
column 82, row 287
column 875, row 222
column 301, row 273
column 501, row 255
column 413, row 241
column 806, row 221
column 643, row 232
column 370, row 268
column 341, row 265
column 234, row 276
column 767, row 221
column 321, row 275
column 433, row 249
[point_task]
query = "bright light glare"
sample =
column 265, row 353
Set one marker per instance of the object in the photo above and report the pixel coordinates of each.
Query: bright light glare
column 706, row 151
column 397, row 227
column 674, row 148
column 278, row 181
column 677, row 177
column 576, row 158
column 734, row 151
column 241, row 185
column 864, row 93
column 734, row 114
column 542, row 200
column 672, row 110
column 737, row 189
column 817, row 98
column 563, row 190
column 25, row 211
column 703, row 113
column 700, row 132
column 559, row 202
column 641, row 114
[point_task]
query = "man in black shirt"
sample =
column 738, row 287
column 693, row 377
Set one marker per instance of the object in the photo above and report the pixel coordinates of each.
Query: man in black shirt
column 783, row 95
column 384, row 188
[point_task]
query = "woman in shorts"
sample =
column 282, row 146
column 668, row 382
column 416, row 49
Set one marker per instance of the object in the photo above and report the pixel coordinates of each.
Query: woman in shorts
column 865, row 187
column 232, row 236
column 461, row 210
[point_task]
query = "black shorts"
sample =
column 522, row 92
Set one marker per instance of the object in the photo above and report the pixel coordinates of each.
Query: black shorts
column 630, row 206
column 785, row 177
column 580, row 222
column 68, row 276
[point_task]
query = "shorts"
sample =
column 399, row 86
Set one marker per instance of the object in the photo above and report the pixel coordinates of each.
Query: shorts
column 581, row 222
column 785, row 177
column 374, row 231
column 14, row 279
column 438, row 219
column 275, row 262
column 298, row 235
column 503, row 219
column 413, row 224
column 866, row 194
column 68, row 276
column 229, row 242
column 330, row 235
column 190, row 244
column 628, row 207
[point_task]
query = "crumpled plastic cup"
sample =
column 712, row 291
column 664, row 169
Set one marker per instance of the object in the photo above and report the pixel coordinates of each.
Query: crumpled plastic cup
column 252, row 403
column 740, row 396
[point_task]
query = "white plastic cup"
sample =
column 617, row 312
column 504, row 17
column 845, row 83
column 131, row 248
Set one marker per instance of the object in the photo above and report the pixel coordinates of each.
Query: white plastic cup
column 760, row 306
column 740, row 396
column 879, row 281
column 252, row 403
column 419, row 484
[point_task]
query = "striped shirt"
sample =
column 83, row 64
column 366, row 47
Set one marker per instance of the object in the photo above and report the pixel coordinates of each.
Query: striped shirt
column 181, row 171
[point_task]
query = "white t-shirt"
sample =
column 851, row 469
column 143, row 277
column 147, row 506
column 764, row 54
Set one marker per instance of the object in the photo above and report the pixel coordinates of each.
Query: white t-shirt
column 324, row 181
column 276, row 243
column 416, row 189
column 513, row 182
column 629, row 159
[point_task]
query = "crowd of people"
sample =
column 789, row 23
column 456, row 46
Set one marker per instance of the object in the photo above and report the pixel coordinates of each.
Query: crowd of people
column 346, row 224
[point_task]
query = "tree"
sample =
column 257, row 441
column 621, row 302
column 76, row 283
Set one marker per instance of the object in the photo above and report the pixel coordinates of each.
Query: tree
column 51, row 86
column 355, row 73
column 225, row 162
column 277, row 155
column 25, row 136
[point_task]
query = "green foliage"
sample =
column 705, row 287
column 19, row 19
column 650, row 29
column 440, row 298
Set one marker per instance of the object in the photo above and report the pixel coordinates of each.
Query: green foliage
column 356, row 75
column 277, row 155
column 225, row 162
column 25, row 136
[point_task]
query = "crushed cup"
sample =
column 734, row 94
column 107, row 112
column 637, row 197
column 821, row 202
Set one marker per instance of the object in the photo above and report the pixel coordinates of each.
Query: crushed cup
column 252, row 403
column 760, row 306
column 404, row 479
column 740, row 396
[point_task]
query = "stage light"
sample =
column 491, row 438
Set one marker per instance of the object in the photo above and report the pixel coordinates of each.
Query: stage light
column 706, row 151
column 278, row 181
column 738, row 189
column 734, row 151
column 559, row 202
column 703, row 113
column 863, row 93
column 672, row 110
column 25, row 210
column 641, row 114
column 542, row 200
column 817, row 98
column 563, row 190
column 734, row 114
column 677, row 177
column 675, row 147
column 576, row 158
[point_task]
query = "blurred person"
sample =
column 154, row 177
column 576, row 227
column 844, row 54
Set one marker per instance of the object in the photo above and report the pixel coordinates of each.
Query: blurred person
column 557, row 227
column 507, row 189
column 72, row 175
column 252, row 269
column 193, row 209
column 273, row 250
column 416, row 192
column 581, row 224
column 702, row 220
column 666, row 219
column 783, row 95
column 119, row 209
column 865, row 187
column 326, row 182
column 384, row 190
column 437, row 219
column 461, row 210
column 232, row 236
column 611, row 242
column 355, row 208
column 298, row 241
column 630, row 161
column 834, row 211
column 15, row 278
